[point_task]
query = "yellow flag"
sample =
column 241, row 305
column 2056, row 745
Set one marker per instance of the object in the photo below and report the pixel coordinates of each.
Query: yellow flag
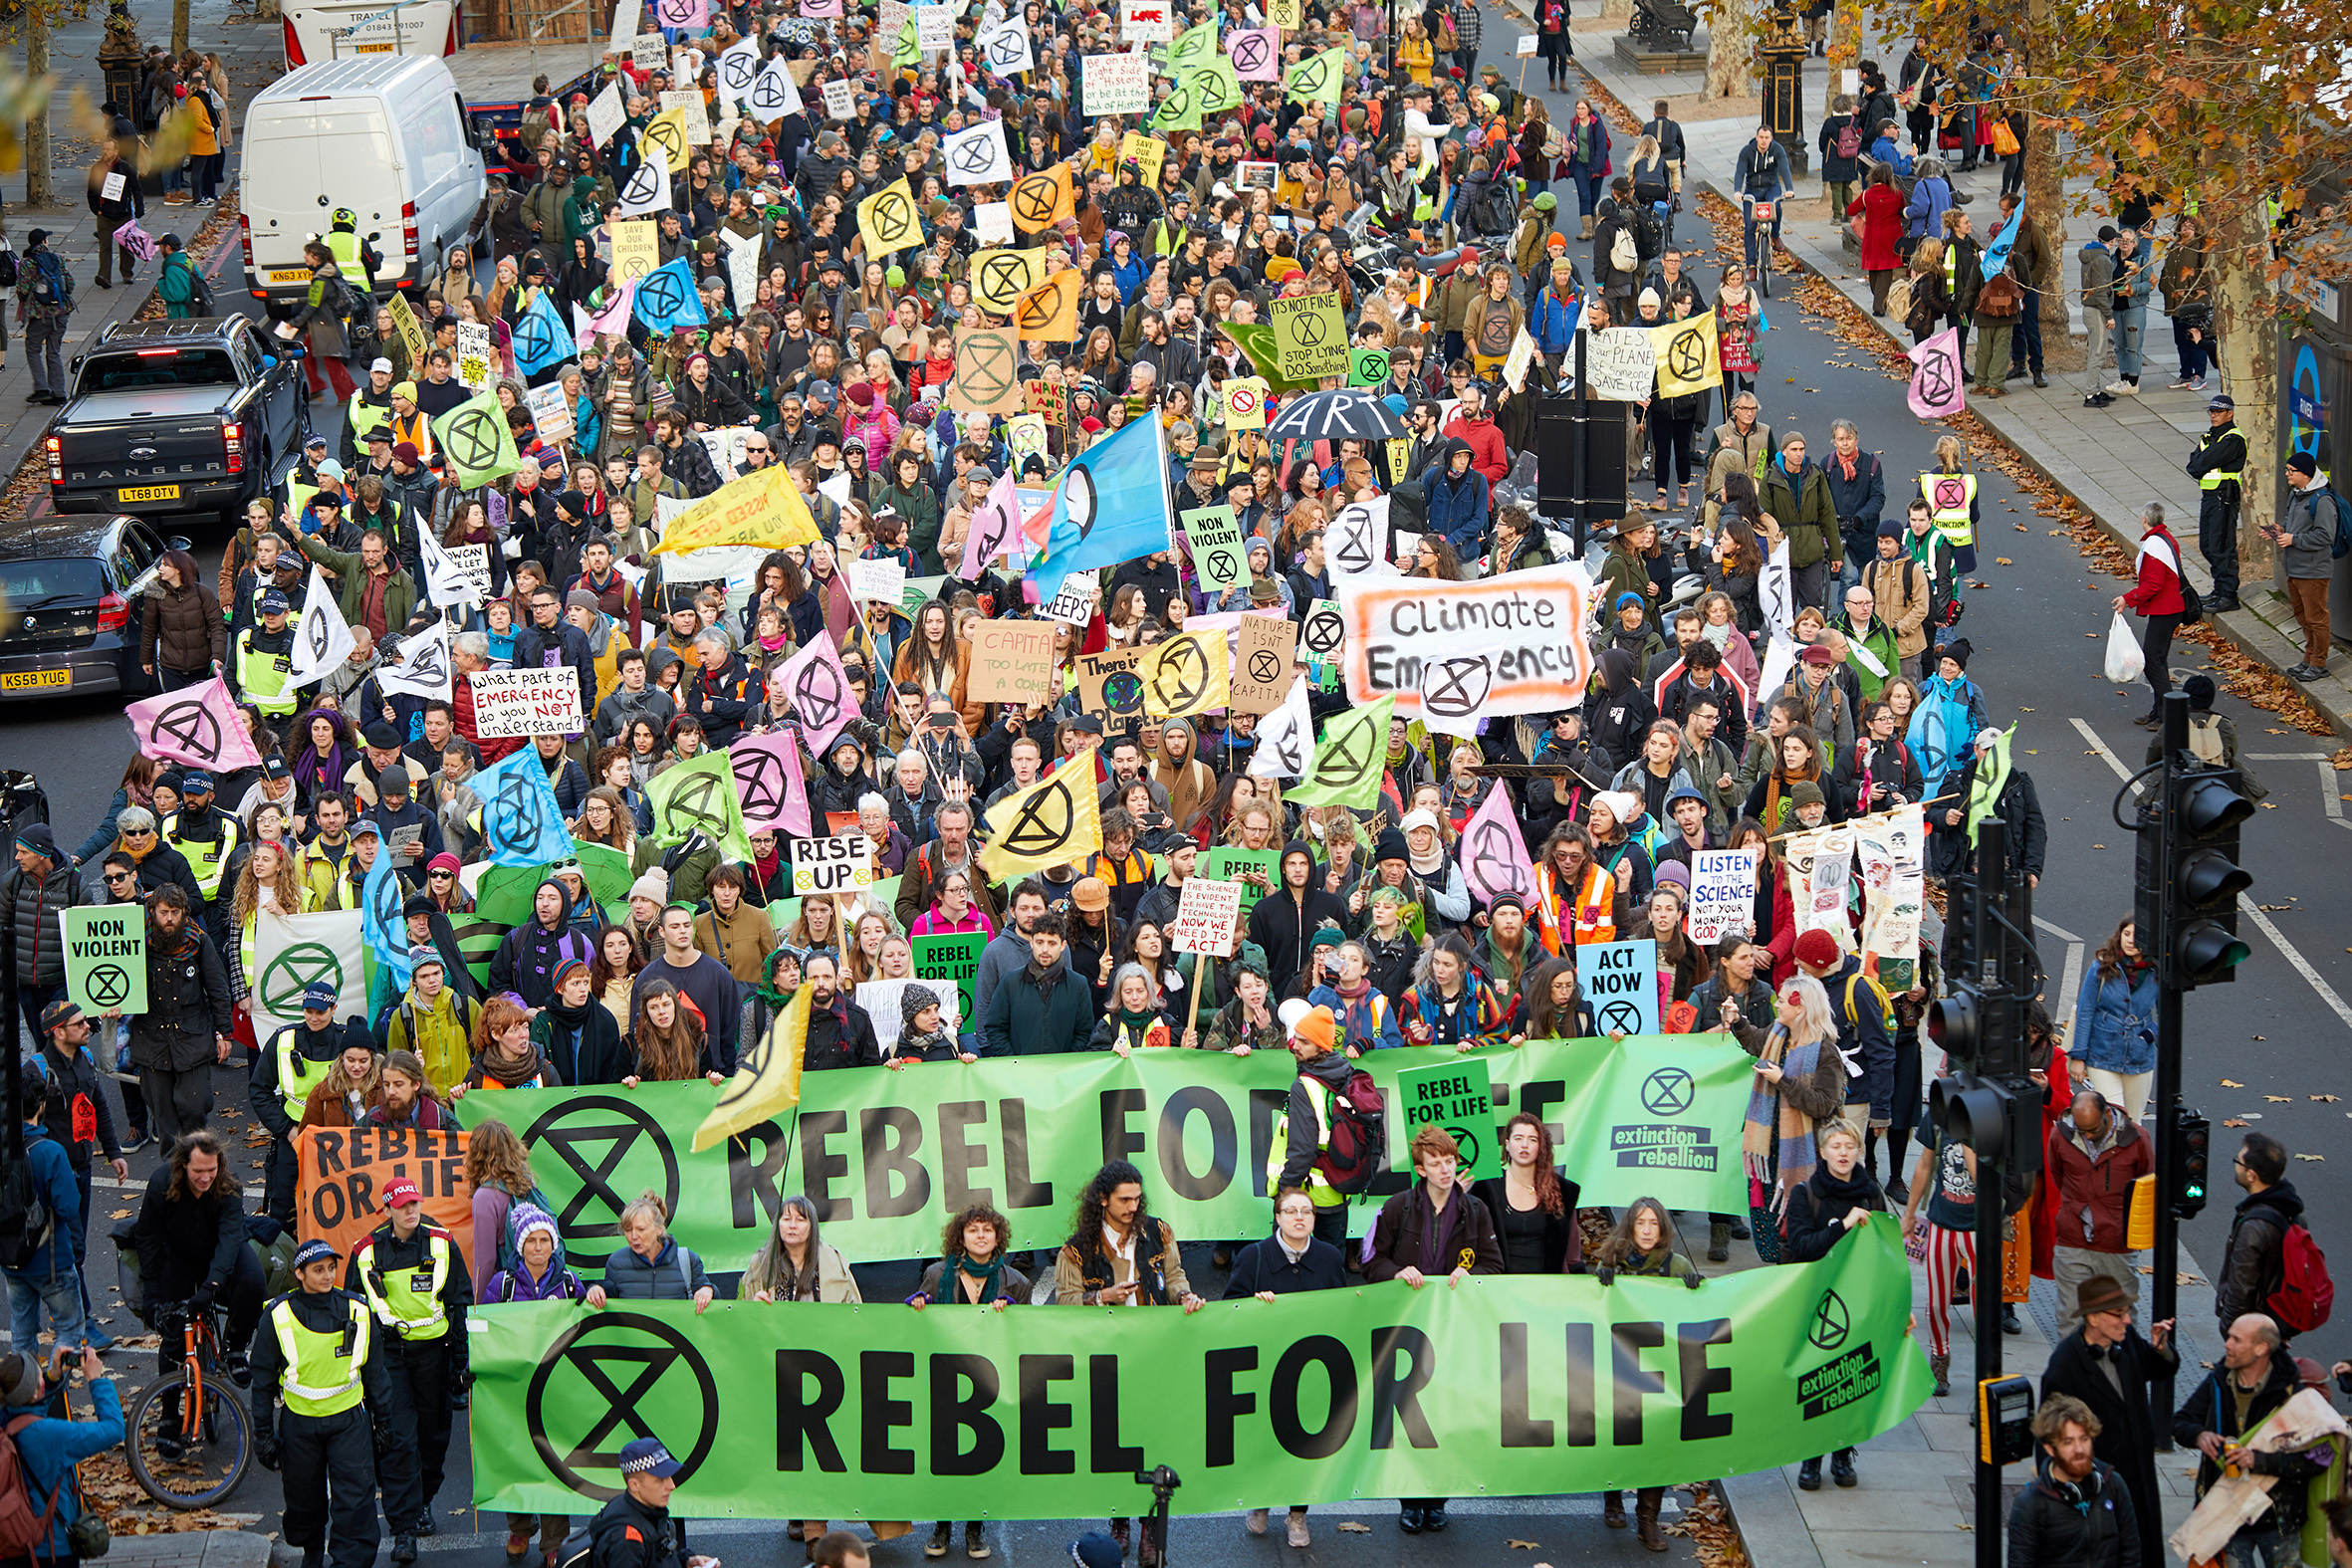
column 1687, row 355
column 1001, row 276
column 763, row 508
column 888, row 222
column 767, row 1081
column 1053, row 821
column 667, row 132
column 1187, row 674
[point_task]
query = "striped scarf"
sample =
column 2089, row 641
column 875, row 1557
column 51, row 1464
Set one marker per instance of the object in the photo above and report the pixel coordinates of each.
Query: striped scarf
column 1777, row 1135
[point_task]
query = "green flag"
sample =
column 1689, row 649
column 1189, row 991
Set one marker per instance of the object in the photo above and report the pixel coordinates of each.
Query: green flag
column 699, row 796
column 1350, row 759
column 1993, row 772
column 475, row 439
column 1216, row 88
column 1195, row 46
column 1317, row 77
column 1179, row 110
column 907, row 51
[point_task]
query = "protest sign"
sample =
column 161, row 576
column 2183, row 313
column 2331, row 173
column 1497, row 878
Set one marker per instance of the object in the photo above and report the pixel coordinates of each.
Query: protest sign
column 1145, row 22
column 1074, row 602
column 881, row 582
column 1117, row 83
column 1205, row 915
column 1107, row 684
column 107, row 959
column 1529, row 625
column 953, row 962
column 526, row 702
column 1356, row 544
column 992, row 224
column 1889, row 846
column 1457, row 1096
column 1218, row 559
column 1723, row 895
column 1245, row 403
column 1310, row 334
column 1619, row 363
column 476, row 364
column 689, row 104
column 935, row 26
column 840, row 100
column 1012, row 661
column 342, row 1171
column 1324, row 633
column 1263, row 665
column 551, row 415
column 832, row 865
column 1148, row 151
column 1621, row 981
column 637, row 248
column 1225, row 863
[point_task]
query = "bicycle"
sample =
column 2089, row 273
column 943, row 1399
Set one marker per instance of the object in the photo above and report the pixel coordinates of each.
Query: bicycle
column 190, row 1436
column 1761, row 216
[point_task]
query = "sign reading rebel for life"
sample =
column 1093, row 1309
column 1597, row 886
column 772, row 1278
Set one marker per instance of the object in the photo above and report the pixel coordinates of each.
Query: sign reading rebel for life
column 832, row 865
column 526, row 702
column 1457, row 1096
column 1527, row 624
column 107, row 959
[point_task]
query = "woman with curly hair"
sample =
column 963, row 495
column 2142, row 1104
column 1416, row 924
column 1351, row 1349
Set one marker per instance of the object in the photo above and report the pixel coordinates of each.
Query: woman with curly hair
column 971, row 1271
column 1534, row 1211
column 671, row 1041
column 498, row 1170
column 606, row 818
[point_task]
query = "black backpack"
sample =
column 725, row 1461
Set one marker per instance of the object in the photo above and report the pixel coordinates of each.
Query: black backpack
column 25, row 1223
column 199, row 292
column 7, row 266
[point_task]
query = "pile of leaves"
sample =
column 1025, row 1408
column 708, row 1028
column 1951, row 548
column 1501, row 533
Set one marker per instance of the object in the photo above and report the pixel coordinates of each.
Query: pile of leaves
column 1707, row 1523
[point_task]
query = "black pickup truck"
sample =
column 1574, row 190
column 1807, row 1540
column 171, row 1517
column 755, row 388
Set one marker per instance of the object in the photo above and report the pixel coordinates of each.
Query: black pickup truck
column 177, row 416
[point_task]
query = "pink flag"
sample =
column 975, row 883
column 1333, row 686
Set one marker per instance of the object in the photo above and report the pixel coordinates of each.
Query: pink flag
column 196, row 727
column 1936, row 390
column 614, row 318
column 1255, row 53
column 769, row 782
column 818, row 687
column 996, row 526
column 1494, row 854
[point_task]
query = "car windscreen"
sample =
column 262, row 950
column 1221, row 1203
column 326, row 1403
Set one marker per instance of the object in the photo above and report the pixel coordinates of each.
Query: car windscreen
column 135, row 372
column 64, row 580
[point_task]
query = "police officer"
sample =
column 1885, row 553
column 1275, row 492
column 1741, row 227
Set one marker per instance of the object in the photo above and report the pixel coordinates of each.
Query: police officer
column 416, row 1283
column 354, row 257
column 634, row 1530
column 206, row 837
column 2218, row 465
column 316, row 1352
column 284, row 1071
column 265, row 662
column 370, row 410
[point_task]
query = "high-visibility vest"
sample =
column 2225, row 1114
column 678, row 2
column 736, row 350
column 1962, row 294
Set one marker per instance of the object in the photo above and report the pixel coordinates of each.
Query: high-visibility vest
column 408, row 1298
column 364, row 416
column 1591, row 909
column 344, row 246
column 266, row 679
column 1318, row 1185
column 1955, row 523
column 2215, row 479
column 207, row 860
column 296, row 1074
column 322, row 1369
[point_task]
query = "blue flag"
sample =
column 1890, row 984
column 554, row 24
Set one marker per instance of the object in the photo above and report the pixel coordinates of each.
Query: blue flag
column 1997, row 255
column 667, row 298
column 382, row 924
column 1109, row 505
column 541, row 337
column 521, row 821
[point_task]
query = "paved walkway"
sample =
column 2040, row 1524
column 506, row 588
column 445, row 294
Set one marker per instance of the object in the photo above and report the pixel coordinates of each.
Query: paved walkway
column 191, row 1549
column 2113, row 461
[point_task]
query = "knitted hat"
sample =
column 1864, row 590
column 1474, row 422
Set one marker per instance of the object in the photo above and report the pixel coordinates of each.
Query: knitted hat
column 1817, row 949
column 655, row 884
column 530, row 1217
column 1623, row 804
column 20, row 1375
column 1319, row 1027
column 913, row 1000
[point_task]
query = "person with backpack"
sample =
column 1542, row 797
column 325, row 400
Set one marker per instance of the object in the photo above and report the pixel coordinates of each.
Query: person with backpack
column 324, row 309
column 537, row 1274
column 40, row 1219
column 78, row 1117
column 1329, row 1135
column 2270, row 1265
column 186, row 296
column 1432, row 1230
column 418, row 1285
column 2314, row 536
column 44, row 303
column 319, row 1354
column 41, row 1451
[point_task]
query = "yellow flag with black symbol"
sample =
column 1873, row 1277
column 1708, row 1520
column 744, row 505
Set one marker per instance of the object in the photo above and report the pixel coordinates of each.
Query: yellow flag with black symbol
column 667, row 132
column 1688, row 357
column 888, row 221
column 1003, row 276
column 1186, row 675
column 762, row 510
column 1057, row 821
column 767, row 1081
column 1318, row 77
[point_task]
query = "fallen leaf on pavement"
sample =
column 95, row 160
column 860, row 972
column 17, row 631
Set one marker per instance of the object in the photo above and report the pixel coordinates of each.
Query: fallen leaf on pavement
column 1522, row 1546
column 2277, row 1099
column 1351, row 1527
column 2232, row 1084
column 2231, row 1122
column 2314, row 1158
column 2327, row 1100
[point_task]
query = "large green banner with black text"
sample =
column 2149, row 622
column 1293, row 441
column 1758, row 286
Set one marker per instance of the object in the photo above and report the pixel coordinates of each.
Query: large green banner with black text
column 1503, row 1385
column 888, row 1156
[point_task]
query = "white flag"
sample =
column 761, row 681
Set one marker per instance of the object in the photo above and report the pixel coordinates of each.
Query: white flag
column 1285, row 738
column 293, row 952
column 773, row 95
column 739, row 66
column 322, row 638
column 979, row 156
column 446, row 584
column 1005, row 51
column 422, row 670
column 647, row 189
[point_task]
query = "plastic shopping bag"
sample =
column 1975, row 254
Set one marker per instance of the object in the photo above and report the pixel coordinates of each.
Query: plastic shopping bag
column 2125, row 662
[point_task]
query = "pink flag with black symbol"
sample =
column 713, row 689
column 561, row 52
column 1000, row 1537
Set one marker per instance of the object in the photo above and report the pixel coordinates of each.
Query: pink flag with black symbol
column 1936, row 389
column 769, row 782
column 195, row 727
column 816, row 685
column 1494, row 852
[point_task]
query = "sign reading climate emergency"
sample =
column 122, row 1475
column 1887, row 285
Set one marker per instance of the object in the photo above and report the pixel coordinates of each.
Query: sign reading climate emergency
column 1502, row 645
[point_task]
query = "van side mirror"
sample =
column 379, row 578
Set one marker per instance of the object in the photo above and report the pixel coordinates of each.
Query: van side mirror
column 178, row 541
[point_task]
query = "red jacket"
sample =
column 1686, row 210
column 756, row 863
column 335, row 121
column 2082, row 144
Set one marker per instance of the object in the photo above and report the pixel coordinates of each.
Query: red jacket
column 2159, row 588
column 1485, row 441
column 461, row 716
column 1881, row 210
column 2094, row 1197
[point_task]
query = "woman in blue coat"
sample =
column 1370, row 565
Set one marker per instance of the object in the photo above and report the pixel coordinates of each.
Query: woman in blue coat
column 48, row 1448
column 2114, row 1044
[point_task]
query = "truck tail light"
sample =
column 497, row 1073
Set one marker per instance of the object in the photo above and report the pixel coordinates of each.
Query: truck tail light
column 232, row 446
column 245, row 237
column 56, row 451
column 113, row 611
column 408, row 250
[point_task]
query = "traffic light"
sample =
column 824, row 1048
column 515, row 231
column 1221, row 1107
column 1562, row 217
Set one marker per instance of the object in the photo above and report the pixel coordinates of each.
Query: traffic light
column 2188, row 879
column 1983, row 1034
column 1976, row 1116
column 2192, row 1138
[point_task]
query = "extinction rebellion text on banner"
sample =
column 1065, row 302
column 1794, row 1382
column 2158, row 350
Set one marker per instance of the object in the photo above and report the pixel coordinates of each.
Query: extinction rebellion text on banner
column 1508, row 1385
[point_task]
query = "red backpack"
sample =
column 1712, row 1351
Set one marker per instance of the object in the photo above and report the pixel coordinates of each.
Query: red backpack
column 2305, row 1295
column 22, row 1532
column 1356, row 1152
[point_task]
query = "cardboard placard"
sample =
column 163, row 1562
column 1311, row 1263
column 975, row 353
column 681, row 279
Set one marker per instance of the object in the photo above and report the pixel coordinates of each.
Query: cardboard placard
column 1117, row 83
column 1722, row 896
column 1206, row 913
column 832, row 865
column 1107, row 684
column 1263, row 666
column 1310, row 332
column 1012, row 661
column 1074, row 602
column 1218, row 560
column 525, row 703
column 882, row 581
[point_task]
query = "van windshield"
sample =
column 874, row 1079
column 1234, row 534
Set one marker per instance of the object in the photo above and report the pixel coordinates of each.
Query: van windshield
column 128, row 371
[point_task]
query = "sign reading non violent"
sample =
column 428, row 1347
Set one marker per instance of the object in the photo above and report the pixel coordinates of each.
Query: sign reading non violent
column 526, row 702
column 832, row 865
column 107, row 959
column 1512, row 644
column 1206, row 913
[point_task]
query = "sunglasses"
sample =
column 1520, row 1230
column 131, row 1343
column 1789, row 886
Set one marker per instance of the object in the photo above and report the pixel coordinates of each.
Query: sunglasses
column 119, row 876
column 440, row 876
column 137, row 833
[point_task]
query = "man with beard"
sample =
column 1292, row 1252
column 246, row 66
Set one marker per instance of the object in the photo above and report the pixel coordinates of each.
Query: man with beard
column 2107, row 1364
column 839, row 1033
column 184, row 1033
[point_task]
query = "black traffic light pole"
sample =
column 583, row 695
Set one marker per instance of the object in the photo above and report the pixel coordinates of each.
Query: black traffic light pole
column 1991, row 948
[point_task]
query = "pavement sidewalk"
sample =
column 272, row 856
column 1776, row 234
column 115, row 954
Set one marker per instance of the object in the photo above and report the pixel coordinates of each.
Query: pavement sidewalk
column 2112, row 461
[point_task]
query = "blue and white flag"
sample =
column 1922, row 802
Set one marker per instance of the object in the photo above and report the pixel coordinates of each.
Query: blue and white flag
column 1997, row 255
column 521, row 821
column 666, row 299
column 1109, row 505
column 541, row 337
column 382, row 923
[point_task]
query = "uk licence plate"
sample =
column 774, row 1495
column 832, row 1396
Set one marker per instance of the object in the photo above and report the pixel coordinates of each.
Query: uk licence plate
column 290, row 275
column 133, row 493
column 32, row 680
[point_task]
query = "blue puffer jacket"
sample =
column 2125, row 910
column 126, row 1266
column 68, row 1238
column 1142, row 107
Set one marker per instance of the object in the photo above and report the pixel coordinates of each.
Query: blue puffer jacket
column 50, row 1449
column 2115, row 1021
column 52, row 1173
column 675, row 1274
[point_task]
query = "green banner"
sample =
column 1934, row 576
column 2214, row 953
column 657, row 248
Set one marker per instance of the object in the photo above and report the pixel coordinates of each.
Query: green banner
column 887, row 1157
column 107, row 960
column 1502, row 1386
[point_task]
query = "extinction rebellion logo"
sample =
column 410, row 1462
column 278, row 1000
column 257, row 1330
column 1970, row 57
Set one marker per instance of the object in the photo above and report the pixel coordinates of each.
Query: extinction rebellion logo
column 1854, row 1371
column 1665, row 1145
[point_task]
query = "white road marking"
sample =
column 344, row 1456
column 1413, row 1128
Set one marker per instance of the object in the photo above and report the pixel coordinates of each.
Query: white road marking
column 2061, row 1005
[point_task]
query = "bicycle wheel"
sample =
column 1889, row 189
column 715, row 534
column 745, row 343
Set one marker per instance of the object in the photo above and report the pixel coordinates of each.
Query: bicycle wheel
column 215, row 1445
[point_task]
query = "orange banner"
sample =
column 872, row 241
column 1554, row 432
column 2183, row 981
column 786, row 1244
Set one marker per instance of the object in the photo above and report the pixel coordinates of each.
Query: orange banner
column 344, row 1168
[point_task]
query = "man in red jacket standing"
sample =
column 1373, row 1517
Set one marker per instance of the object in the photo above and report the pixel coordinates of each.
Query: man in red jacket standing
column 1475, row 428
column 2095, row 1155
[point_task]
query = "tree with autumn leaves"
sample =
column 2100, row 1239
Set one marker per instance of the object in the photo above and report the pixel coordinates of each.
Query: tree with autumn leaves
column 2234, row 110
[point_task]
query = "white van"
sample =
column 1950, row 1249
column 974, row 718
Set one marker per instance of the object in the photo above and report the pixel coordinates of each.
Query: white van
column 386, row 135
